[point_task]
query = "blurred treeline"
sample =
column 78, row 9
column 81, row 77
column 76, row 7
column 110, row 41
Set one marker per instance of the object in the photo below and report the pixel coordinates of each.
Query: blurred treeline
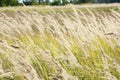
column 51, row 2
column 8, row 2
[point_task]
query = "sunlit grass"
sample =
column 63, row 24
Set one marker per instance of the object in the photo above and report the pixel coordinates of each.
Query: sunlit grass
column 66, row 44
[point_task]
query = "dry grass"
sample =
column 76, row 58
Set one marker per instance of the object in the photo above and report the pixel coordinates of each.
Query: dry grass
column 79, row 45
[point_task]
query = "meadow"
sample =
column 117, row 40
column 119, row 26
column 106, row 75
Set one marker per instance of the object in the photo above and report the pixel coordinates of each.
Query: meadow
column 70, row 42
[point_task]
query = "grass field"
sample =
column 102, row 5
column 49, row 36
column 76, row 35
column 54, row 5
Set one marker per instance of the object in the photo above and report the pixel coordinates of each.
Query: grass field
column 60, row 43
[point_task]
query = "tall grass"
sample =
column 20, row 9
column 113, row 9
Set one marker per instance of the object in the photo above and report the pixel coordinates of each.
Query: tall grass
column 79, row 45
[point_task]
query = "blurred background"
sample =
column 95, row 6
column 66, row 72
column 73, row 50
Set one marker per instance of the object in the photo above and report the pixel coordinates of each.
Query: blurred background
column 52, row 2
